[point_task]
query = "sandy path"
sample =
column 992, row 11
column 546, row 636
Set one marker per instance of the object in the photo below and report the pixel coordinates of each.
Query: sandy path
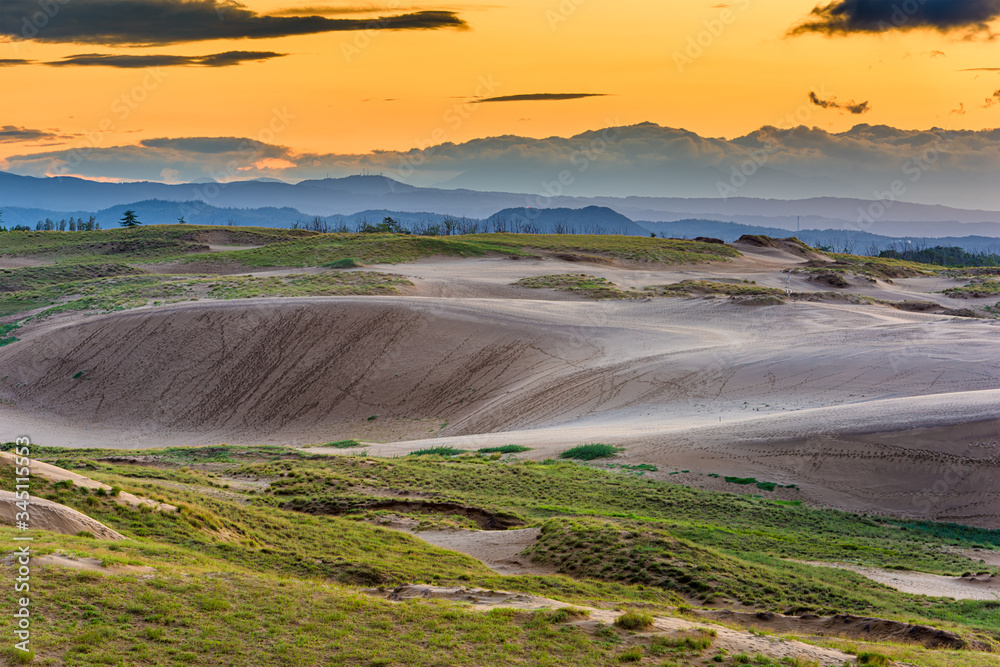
column 500, row 550
column 733, row 641
column 920, row 583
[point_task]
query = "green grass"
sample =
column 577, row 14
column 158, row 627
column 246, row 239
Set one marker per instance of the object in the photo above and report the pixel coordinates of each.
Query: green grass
column 344, row 444
column 335, row 249
column 504, row 449
column 873, row 659
column 879, row 267
column 629, row 248
column 701, row 287
column 33, row 277
column 634, row 620
column 132, row 291
column 438, row 451
column 979, row 288
column 5, row 333
column 591, row 451
column 149, row 242
column 346, row 263
column 581, row 283
column 616, row 539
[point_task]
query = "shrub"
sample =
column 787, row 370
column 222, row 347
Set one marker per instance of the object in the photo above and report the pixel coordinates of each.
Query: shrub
column 873, row 659
column 634, row 620
column 591, row 451
column 633, row 654
column 116, row 491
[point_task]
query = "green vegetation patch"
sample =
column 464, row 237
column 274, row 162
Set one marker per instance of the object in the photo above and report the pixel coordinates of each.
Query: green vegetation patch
column 438, row 451
column 979, row 288
column 581, row 283
column 591, row 451
column 630, row 248
column 618, row 539
column 132, row 291
column 504, row 449
column 702, row 287
column 344, row 444
column 33, row 277
column 148, row 243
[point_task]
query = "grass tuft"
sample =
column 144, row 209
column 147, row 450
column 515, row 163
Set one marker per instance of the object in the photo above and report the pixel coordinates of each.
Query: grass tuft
column 634, row 620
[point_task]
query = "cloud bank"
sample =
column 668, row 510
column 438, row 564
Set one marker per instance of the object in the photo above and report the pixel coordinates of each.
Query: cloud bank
column 936, row 166
column 147, row 22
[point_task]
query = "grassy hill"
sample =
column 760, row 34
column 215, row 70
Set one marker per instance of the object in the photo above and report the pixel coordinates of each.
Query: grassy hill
column 266, row 560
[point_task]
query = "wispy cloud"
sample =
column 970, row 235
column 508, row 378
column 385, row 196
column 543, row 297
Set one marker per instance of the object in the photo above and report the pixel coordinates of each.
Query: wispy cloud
column 14, row 134
column 225, row 59
column 853, row 107
column 842, row 17
column 145, row 22
column 540, row 97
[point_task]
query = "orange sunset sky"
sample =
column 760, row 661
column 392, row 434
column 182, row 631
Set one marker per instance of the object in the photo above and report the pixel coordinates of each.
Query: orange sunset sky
column 358, row 91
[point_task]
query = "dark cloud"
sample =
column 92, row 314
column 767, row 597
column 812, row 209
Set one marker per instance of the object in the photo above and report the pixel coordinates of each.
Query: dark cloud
column 980, row 69
column 171, row 21
column 11, row 62
column 163, row 60
column 843, row 17
column 540, row 97
column 992, row 99
column 320, row 10
column 12, row 134
column 853, row 107
column 203, row 145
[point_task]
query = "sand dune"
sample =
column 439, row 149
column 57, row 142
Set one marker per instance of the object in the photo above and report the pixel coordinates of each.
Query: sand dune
column 54, row 517
column 863, row 407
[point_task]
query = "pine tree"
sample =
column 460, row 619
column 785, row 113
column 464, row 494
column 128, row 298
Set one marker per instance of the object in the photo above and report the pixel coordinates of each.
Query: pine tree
column 129, row 220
